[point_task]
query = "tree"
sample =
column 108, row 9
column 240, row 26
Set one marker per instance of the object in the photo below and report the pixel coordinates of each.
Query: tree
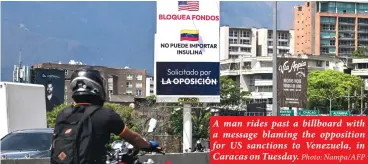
column 331, row 85
column 200, row 123
column 360, row 52
column 231, row 93
column 51, row 116
column 127, row 114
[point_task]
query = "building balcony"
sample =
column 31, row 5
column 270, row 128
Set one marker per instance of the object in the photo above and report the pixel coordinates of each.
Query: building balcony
column 263, row 82
column 246, row 71
column 360, row 72
column 346, row 46
column 239, row 53
column 346, row 23
column 229, row 72
column 328, row 23
column 316, row 68
column 261, row 70
column 346, row 38
column 325, row 45
column 257, row 70
column 364, row 39
column 347, row 31
column 328, row 30
column 261, row 95
column 346, row 54
column 360, row 60
column 241, row 45
column 363, row 31
column 363, row 24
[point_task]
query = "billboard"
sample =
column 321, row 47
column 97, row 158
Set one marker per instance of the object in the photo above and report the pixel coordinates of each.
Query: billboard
column 187, row 56
column 292, row 74
column 54, row 82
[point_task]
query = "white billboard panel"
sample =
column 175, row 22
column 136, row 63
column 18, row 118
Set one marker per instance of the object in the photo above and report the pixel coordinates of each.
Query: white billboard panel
column 186, row 14
column 187, row 52
column 172, row 49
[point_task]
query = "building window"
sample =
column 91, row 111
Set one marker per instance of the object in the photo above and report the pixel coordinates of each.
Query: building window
column 129, row 92
column 319, row 63
column 233, row 41
column 129, row 84
column 282, row 51
column 244, row 49
column 283, row 36
column 233, row 33
column 327, row 63
column 328, row 19
column 138, row 85
column 324, row 51
column 138, row 92
column 327, row 27
column 233, row 49
column 129, row 77
column 299, row 8
column 270, row 50
column 138, row 77
column 284, row 44
column 245, row 41
column 270, row 35
column 245, row 34
column 264, row 88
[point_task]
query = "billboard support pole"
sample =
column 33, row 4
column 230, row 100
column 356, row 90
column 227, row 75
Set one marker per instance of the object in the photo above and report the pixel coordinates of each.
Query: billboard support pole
column 275, row 108
column 187, row 127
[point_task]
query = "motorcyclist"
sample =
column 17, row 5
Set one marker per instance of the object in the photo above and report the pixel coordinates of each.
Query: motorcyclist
column 88, row 89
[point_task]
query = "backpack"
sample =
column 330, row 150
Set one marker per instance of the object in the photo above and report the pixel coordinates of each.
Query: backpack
column 73, row 136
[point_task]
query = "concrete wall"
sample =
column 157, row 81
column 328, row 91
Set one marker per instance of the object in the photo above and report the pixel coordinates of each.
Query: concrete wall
column 194, row 158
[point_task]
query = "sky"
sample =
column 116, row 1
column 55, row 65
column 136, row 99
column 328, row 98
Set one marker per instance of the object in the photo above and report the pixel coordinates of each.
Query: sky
column 115, row 34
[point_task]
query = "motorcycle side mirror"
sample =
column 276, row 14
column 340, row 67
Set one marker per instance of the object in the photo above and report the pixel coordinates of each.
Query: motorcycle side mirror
column 152, row 125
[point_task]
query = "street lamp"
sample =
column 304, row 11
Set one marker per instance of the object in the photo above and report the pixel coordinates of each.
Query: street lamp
column 275, row 109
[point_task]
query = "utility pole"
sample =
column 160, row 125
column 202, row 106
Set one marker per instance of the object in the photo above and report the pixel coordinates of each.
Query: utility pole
column 361, row 99
column 275, row 107
column 330, row 104
column 349, row 100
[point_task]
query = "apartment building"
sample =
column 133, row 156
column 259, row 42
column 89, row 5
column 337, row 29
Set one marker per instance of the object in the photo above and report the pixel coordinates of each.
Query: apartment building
column 360, row 67
column 150, row 89
column 252, row 42
column 122, row 84
column 330, row 28
column 252, row 69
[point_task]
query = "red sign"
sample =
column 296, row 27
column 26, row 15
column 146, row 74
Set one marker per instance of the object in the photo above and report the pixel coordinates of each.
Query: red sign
column 299, row 140
column 188, row 17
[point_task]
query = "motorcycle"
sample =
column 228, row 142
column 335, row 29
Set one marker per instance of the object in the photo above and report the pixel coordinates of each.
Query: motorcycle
column 122, row 152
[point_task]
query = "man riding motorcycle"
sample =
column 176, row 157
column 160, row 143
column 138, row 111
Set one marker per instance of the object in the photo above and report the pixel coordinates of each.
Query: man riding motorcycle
column 88, row 90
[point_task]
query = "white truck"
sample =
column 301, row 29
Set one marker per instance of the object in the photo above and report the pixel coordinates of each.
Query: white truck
column 22, row 106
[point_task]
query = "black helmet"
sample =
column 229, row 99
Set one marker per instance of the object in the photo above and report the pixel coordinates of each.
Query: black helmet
column 87, row 83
